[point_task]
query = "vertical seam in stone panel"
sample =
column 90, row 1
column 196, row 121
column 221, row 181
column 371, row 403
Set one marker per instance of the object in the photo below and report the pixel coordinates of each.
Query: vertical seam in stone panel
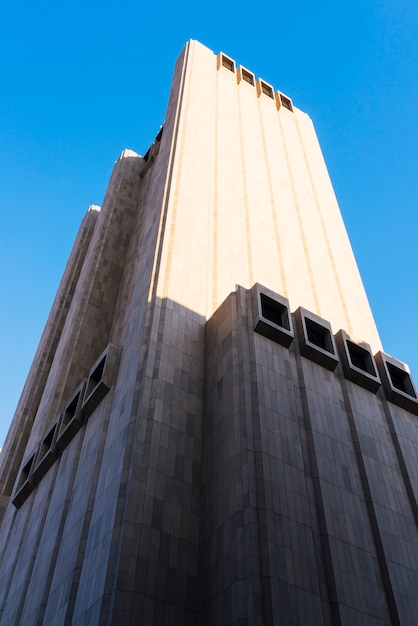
column 113, row 569
column 324, row 230
column 238, row 361
column 214, row 264
column 35, row 552
column 399, row 455
column 374, row 525
column 17, row 555
column 61, row 525
column 9, row 532
column 284, row 290
column 170, row 189
column 245, row 191
column 300, row 221
column 250, row 414
column 44, row 515
column 253, row 414
column 75, row 579
column 332, row 598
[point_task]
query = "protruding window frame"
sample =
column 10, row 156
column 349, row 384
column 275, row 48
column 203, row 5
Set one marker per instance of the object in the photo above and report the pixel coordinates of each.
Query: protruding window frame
column 282, row 332
column 98, row 386
column 48, row 450
column 264, row 88
column 307, row 323
column 366, row 377
column 26, row 482
column 283, row 101
column 244, row 75
column 223, row 60
column 68, row 428
column 407, row 399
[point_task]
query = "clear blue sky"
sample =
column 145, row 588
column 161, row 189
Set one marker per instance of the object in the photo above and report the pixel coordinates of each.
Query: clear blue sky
column 80, row 81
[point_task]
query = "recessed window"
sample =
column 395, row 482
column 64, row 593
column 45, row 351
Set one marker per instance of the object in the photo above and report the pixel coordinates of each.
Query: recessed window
column 286, row 102
column 397, row 382
column 26, row 483
column 72, row 418
column 357, row 361
column 361, row 358
column 245, row 75
column 319, row 335
column 24, row 474
column 274, row 311
column 47, row 442
column 100, row 379
column 266, row 89
column 283, row 101
column 315, row 339
column 248, row 77
column 47, row 453
column 96, row 376
column 401, row 380
column 271, row 315
column 227, row 62
column 70, row 411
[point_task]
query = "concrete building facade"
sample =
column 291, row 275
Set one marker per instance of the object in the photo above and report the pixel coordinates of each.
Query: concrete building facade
column 210, row 432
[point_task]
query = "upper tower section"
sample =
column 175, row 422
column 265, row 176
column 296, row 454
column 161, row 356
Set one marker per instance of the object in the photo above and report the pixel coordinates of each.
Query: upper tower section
column 248, row 198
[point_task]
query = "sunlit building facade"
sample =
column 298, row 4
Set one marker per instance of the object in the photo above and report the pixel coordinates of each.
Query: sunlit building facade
column 211, row 433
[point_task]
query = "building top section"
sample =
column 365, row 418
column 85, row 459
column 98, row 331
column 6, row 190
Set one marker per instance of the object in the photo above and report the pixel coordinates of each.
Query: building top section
column 261, row 88
column 247, row 198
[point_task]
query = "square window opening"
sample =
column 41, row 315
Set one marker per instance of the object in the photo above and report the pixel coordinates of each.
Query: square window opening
column 319, row 335
column 96, row 376
column 70, row 411
column 47, row 442
column 26, row 469
column 266, row 89
column 361, row 358
column 247, row 76
column 228, row 63
column 286, row 102
column 24, row 474
column 400, row 380
column 274, row 311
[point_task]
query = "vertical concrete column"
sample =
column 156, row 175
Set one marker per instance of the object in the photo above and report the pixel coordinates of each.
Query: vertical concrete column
column 231, row 586
column 86, row 332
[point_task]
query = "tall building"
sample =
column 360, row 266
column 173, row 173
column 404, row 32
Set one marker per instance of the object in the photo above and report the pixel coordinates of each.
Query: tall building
column 210, row 433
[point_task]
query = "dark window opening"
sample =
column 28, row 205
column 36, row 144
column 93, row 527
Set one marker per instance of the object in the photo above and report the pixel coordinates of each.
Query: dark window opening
column 70, row 411
column 26, row 470
column 95, row 377
column 361, row 358
column 228, row 63
column 318, row 335
column 267, row 89
column 274, row 312
column 400, row 379
column 286, row 102
column 24, row 474
column 47, row 442
column 247, row 76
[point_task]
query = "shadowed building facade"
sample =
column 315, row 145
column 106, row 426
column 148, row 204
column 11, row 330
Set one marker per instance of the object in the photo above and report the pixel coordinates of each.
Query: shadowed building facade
column 210, row 432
